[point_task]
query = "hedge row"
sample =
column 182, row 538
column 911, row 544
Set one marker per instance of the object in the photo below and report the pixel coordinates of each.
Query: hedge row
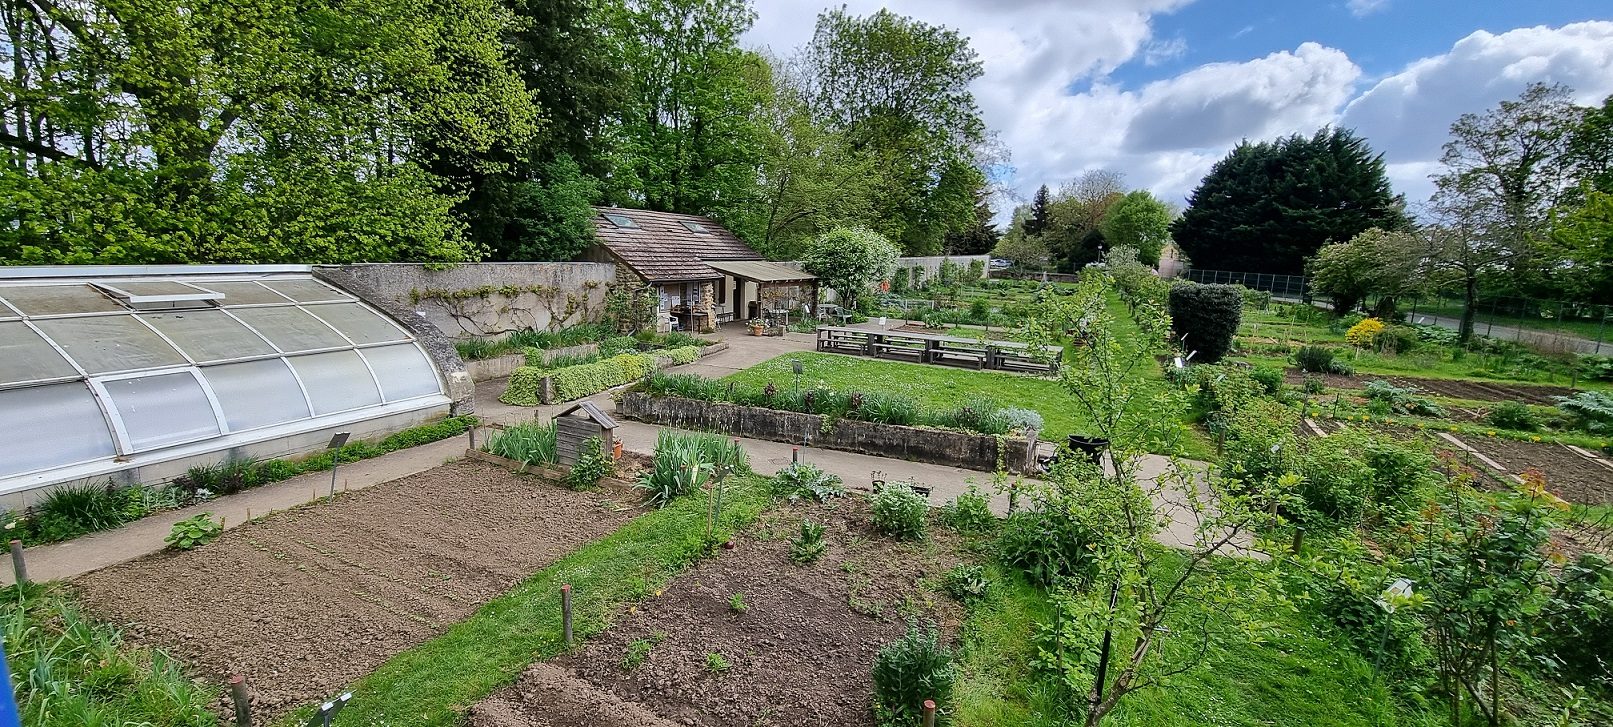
column 575, row 382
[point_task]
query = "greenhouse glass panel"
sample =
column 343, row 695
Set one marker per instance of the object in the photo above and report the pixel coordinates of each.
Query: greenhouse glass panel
column 306, row 291
column 209, row 335
column 291, row 328
column 102, row 344
column 256, row 393
column 336, row 381
column 243, row 293
column 358, row 323
column 51, row 426
column 156, row 288
column 50, row 300
column 24, row 356
column 404, row 372
column 161, row 410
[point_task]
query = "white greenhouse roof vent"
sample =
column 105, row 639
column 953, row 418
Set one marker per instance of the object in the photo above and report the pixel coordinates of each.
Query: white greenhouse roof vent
column 160, row 295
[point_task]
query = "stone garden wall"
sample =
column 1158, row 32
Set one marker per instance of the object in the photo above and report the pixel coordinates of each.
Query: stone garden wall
column 492, row 299
column 934, row 446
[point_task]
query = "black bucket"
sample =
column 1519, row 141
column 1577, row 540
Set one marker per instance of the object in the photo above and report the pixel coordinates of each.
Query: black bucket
column 1089, row 448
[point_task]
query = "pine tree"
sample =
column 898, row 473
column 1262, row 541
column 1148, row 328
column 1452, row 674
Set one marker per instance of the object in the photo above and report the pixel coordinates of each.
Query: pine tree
column 1041, row 213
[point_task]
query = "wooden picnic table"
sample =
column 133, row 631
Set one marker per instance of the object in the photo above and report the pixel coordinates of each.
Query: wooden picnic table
column 939, row 349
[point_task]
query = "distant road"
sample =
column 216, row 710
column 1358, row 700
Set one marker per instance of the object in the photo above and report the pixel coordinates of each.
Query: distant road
column 1534, row 336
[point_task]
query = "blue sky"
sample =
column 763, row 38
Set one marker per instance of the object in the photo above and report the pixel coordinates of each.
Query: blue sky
column 1161, row 89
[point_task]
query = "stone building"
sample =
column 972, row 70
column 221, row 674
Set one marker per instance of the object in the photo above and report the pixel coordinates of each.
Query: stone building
column 703, row 274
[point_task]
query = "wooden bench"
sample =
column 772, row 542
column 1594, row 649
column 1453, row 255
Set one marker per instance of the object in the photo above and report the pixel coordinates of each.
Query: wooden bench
column 900, row 347
column 948, row 352
column 848, row 341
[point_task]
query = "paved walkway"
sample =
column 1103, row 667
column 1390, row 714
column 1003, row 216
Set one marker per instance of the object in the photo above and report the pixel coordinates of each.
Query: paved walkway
column 145, row 536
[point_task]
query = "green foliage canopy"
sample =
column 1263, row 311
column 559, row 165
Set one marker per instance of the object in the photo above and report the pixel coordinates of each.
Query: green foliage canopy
column 850, row 260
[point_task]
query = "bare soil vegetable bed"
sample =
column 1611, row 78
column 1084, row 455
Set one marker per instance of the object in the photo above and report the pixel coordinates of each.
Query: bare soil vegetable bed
column 1449, row 388
column 305, row 601
column 799, row 654
column 1571, row 476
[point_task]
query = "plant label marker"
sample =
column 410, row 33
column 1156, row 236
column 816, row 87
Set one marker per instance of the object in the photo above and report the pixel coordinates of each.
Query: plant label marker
column 328, row 710
column 18, row 566
column 795, row 455
column 336, row 441
column 565, row 612
column 243, row 704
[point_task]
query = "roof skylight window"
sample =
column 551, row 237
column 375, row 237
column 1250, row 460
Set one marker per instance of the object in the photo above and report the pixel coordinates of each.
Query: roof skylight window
column 694, row 227
column 622, row 221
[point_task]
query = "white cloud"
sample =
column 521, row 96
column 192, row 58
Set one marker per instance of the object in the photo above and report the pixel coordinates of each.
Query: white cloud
column 1407, row 115
column 1363, row 8
column 1159, row 52
column 1165, row 135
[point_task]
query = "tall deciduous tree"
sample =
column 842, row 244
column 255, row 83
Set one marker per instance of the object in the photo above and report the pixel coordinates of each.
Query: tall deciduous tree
column 1267, row 207
column 899, row 89
column 689, row 136
column 249, row 131
column 1074, row 238
column 1503, row 170
column 1375, row 262
column 979, row 238
column 1140, row 221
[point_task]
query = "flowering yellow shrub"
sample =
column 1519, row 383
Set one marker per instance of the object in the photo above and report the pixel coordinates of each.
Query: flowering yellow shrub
column 1364, row 333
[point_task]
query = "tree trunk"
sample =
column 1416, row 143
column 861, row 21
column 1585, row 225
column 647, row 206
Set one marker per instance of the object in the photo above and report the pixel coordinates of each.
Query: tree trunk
column 1469, row 308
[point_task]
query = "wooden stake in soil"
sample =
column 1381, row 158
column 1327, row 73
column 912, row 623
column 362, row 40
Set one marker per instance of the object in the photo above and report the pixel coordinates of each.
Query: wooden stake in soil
column 243, row 704
column 1299, row 540
column 565, row 612
column 929, row 713
column 17, row 565
column 795, row 455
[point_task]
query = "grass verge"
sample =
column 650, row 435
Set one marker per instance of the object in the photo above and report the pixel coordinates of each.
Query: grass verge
column 70, row 671
column 1298, row 673
column 435, row 682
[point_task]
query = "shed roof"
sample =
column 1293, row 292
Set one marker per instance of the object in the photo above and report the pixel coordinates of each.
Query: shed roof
column 762, row 271
column 662, row 247
column 592, row 412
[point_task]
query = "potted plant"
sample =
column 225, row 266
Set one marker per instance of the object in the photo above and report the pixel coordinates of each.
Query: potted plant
column 1091, row 448
column 757, row 325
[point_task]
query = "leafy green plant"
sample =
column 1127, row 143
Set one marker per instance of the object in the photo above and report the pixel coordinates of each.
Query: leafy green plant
column 809, row 545
column 1590, row 410
column 1513, row 415
column 736, row 603
column 910, row 670
column 529, row 442
column 969, row 512
column 1049, row 542
column 1402, row 399
column 638, row 652
column 1314, row 385
column 592, row 465
column 801, row 480
column 1270, row 379
column 900, row 512
column 717, row 663
column 73, row 671
column 72, row 510
column 677, row 469
column 966, row 583
column 193, row 532
column 1315, row 359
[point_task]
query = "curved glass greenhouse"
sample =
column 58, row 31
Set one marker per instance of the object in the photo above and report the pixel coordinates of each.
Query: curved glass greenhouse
column 100, row 374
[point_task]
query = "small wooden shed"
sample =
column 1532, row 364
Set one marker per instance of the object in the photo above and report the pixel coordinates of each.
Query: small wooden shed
column 576, row 424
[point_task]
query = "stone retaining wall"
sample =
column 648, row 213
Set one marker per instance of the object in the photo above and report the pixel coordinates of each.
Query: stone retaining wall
column 933, row 446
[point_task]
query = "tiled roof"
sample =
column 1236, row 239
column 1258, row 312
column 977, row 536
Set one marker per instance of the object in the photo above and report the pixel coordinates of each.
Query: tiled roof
column 661, row 248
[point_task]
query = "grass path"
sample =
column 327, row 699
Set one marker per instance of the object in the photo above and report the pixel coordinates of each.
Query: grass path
column 433, row 683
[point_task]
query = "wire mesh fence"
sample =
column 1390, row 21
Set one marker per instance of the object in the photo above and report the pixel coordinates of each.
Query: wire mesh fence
column 1551, row 325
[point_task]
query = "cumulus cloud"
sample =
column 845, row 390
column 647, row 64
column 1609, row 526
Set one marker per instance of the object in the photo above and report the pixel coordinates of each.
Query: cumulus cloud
column 1363, row 8
column 1047, row 89
column 1408, row 114
column 1220, row 103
